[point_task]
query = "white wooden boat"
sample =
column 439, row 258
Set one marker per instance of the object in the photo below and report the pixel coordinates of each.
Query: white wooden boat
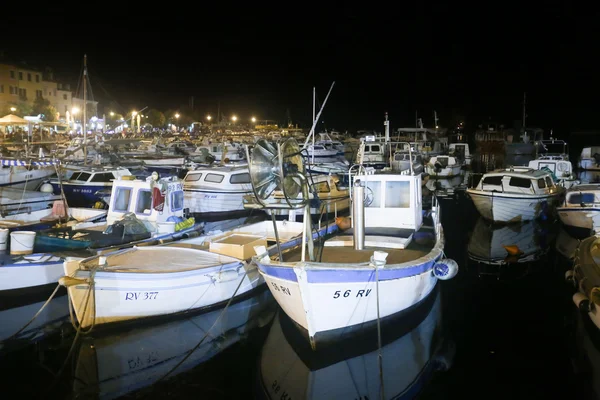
column 585, row 276
column 221, row 151
column 507, row 244
column 26, row 175
column 560, row 167
column 341, row 291
column 461, row 151
column 216, row 191
column 319, row 150
column 403, row 160
column 110, row 366
column 371, row 153
column 516, row 194
column 589, row 159
column 186, row 275
column 18, row 200
column 333, row 198
column 581, row 207
column 411, row 352
column 443, row 166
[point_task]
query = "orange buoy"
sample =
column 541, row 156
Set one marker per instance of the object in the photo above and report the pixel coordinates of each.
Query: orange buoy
column 513, row 250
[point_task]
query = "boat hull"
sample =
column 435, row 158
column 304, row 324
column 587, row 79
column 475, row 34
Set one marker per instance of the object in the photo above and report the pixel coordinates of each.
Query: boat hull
column 123, row 296
column 579, row 217
column 509, row 208
column 446, row 172
column 37, row 270
column 80, row 195
column 206, row 202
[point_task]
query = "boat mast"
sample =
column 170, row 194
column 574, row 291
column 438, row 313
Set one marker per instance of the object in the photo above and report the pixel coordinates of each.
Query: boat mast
column 313, row 121
column 84, row 109
column 524, row 109
column 312, row 129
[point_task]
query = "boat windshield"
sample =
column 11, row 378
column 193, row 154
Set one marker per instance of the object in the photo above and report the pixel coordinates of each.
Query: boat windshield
column 81, row 176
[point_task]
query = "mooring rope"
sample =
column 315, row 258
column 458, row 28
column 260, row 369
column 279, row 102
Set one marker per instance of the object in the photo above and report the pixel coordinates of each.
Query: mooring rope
column 36, row 314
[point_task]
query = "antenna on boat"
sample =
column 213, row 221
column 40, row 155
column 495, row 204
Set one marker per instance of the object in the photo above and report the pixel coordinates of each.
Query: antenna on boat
column 279, row 166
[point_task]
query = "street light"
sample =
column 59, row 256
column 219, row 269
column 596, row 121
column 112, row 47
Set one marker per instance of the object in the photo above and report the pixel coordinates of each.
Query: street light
column 208, row 117
column 176, row 116
column 234, row 118
column 253, row 119
column 13, row 109
column 75, row 110
column 133, row 113
column 112, row 114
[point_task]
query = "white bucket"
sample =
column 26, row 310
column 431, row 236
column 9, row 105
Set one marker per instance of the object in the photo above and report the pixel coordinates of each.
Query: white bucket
column 3, row 238
column 21, row 242
column 166, row 227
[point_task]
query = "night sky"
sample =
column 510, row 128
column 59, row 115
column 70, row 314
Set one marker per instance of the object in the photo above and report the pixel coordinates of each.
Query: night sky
column 474, row 62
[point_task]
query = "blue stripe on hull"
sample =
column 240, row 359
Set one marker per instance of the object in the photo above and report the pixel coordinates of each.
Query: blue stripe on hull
column 80, row 195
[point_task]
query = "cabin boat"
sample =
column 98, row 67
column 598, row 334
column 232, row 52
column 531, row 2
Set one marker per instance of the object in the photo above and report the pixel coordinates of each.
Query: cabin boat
column 559, row 165
column 333, row 199
column 507, row 244
column 80, row 189
column 221, row 151
column 581, row 207
column 74, row 149
column 216, row 191
column 397, row 257
column 443, row 166
column 413, row 350
column 402, row 160
column 516, row 194
column 180, row 147
column 371, row 154
column 151, row 281
column 26, row 175
column 329, row 143
column 461, row 151
column 319, row 150
column 589, row 159
column 107, row 354
column 585, row 277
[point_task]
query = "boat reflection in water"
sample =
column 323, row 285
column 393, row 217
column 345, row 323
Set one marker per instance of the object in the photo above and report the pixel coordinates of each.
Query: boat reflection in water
column 445, row 186
column 111, row 366
column 412, row 349
column 566, row 244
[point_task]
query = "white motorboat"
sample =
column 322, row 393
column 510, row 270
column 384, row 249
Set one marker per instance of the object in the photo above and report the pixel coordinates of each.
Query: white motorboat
column 28, row 175
column 461, row 151
column 391, row 254
column 581, row 207
column 319, row 150
column 516, row 194
column 559, row 166
column 443, row 166
column 403, row 161
column 589, row 159
column 216, row 191
column 221, row 151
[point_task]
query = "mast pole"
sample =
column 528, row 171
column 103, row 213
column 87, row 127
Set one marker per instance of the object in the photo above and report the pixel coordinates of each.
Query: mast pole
column 524, row 109
column 84, row 109
column 313, row 121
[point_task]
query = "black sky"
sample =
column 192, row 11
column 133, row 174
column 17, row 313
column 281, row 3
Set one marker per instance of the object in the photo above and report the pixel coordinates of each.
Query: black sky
column 475, row 61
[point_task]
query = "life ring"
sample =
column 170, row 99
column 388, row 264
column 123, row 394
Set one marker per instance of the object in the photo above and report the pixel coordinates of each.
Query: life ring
column 445, row 269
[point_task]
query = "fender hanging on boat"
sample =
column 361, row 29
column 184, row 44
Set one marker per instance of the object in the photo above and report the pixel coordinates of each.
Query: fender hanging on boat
column 445, row 269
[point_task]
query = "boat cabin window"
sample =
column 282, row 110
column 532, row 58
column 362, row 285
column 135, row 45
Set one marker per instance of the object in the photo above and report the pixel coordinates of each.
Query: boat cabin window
column 492, row 180
column 549, row 182
column 81, row 176
column 144, row 202
column 397, row 194
column 240, row 178
column 102, row 177
column 541, row 183
column 193, row 177
column 214, row 178
column 374, row 148
column 215, row 149
column 177, row 201
column 520, row 182
column 373, row 194
column 578, row 198
column 322, row 187
column 122, row 198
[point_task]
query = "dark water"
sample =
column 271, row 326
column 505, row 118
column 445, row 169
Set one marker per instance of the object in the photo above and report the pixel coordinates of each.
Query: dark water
column 505, row 327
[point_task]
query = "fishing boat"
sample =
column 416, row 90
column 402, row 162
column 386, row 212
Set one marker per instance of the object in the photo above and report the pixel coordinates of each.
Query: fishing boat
column 329, row 197
column 117, row 363
column 221, row 151
column 216, row 192
column 585, row 277
column 589, row 160
column 28, row 175
column 581, row 208
column 443, row 166
column 393, row 252
column 198, row 273
column 83, row 185
column 14, row 201
column 516, row 194
column 404, row 161
column 560, row 167
column 412, row 351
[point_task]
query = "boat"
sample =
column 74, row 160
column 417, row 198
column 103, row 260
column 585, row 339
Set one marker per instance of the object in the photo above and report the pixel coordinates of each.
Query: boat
column 559, row 165
column 405, row 160
column 46, row 218
column 443, row 166
column 123, row 361
column 216, row 192
column 585, row 277
column 508, row 244
column 412, row 350
column 230, row 151
column 28, row 175
column 566, row 244
column 200, row 272
column 329, row 143
column 81, row 187
column 589, row 160
column 332, row 199
column 516, row 194
column 581, row 208
column 319, row 150
column 393, row 252
column 14, row 201
column 461, row 151
column 371, row 153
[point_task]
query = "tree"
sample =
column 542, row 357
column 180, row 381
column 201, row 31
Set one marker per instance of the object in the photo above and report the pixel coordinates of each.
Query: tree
column 156, row 118
column 22, row 109
column 42, row 106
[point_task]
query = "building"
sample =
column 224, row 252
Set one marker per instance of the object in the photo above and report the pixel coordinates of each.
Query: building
column 21, row 85
column 92, row 108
